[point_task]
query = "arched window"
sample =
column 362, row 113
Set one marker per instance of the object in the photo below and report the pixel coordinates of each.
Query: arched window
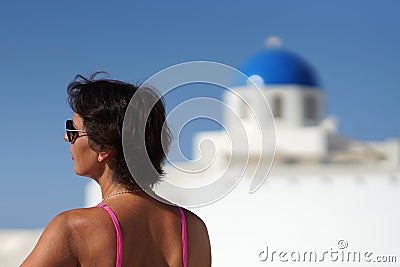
column 277, row 107
column 310, row 108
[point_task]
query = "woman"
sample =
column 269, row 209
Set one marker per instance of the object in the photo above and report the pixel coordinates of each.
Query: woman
column 129, row 227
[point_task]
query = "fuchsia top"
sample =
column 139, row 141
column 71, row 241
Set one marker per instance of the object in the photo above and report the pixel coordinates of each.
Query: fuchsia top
column 119, row 235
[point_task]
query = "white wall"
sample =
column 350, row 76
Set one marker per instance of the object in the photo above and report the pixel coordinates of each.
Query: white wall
column 306, row 213
column 15, row 245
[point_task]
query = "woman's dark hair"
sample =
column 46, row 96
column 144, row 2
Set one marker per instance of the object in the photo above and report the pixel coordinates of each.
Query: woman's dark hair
column 102, row 104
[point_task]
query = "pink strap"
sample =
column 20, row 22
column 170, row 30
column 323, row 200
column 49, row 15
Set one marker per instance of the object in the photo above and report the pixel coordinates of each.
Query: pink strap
column 118, row 230
column 184, row 237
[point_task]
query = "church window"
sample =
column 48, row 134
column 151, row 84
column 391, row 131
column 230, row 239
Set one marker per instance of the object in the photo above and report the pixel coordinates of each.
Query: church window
column 310, row 108
column 277, row 107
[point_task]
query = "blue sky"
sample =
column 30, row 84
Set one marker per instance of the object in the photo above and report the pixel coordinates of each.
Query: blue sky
column 353, row 46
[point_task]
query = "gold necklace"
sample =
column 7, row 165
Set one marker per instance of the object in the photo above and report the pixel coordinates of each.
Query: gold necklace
column 121, row 192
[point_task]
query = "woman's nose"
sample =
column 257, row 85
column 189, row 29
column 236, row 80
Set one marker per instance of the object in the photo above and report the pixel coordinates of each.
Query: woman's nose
column 65, row 137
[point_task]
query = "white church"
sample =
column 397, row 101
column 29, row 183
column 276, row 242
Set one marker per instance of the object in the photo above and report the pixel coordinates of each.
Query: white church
column 327, row 200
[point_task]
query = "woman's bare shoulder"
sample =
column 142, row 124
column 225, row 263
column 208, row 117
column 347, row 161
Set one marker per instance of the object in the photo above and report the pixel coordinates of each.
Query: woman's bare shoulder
column 198, row 240
column 78, row 222
column 81, row 217
column 64, row 237
column 55, row 246
column 194, row 220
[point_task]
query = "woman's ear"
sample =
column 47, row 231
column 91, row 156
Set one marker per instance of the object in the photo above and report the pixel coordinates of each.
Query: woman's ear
column 104, row 155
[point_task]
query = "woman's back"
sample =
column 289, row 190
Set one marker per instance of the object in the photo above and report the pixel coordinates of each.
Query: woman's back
column 151, row 234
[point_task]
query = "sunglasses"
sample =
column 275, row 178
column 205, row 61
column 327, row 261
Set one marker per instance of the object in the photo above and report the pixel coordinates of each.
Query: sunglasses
column 72, row 133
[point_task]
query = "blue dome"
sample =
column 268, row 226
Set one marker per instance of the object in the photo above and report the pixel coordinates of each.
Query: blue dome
column 276, row 66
